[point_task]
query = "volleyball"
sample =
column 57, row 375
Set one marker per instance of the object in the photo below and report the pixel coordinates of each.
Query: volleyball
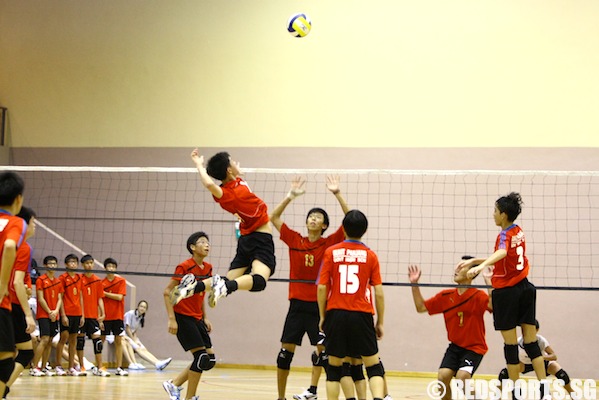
column 299, row 25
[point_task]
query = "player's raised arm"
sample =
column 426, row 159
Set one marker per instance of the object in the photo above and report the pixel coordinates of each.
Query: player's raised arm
column 297, row 189
column 414, row 276
column 333, row 186
column 204, row 177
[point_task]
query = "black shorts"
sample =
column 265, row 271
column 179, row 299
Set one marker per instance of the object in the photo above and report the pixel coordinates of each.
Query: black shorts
column 302, row 317
column 349, row 333
column 514, row 305
column 529, row 368
column 192, row 333
column 114, row 327
column 73, row 326
column 47, row 327
column 19, row 324
column 458, row 358
column 255, row 246
column 90, row 327
column 7, row 331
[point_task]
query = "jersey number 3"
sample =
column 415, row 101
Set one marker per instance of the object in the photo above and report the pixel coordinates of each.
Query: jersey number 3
column 348, row 279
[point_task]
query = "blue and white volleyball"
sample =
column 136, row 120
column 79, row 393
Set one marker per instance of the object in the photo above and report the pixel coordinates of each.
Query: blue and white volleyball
column 299, row 25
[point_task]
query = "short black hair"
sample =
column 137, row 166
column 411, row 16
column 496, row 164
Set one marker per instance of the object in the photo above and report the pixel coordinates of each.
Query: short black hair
column 218, row 164
column 110, row 260
column 47, row 259
column 26, row 213
column 511, row 205
column 324, row 214
column 355, row 224
column 193, row 238
column 70, row 257
column 11, row 186
column 86, row 257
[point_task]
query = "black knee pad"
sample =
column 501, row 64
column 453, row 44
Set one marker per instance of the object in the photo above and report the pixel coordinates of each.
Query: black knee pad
column 284, row 359
column 80, row 342
column 201, row 361
column 6, row 367
column 98, row 345
column 320, row 360
column 259, row 283
column 375, row 370
column 503, row 375
column 510, row 351
column 357, row 372
column 334, row 373
column 533, row 350
column 563, row 375
column 211, row 363
column 24, row 357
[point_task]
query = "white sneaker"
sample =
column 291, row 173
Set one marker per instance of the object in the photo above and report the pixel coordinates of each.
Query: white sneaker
column 100, row 372
column 307, row 395
column 60, row 371
column 121, row 372
column 163, row 363
column 174, row 391
column 48, row 372
column 184, row 290
column 36, row 372
column 388, row 397
column 133, row 366
column 87, row 364
column 219, row 289
column 140, row 366
column 72, row 372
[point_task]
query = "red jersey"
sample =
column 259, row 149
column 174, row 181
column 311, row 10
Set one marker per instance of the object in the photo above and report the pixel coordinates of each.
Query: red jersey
column 92, row 293
column 51, row 289
column 192, row 306
column 514, row 266
column 12, row 228
column 71, row 298
column 305, row 258
column 22, row 263
column 349, row 269
column 114, row 309
column 464, row 317
column 238, row 199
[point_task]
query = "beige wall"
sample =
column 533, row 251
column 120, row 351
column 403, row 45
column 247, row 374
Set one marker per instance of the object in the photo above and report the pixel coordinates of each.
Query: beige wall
column 226, row 73
column 388, row 84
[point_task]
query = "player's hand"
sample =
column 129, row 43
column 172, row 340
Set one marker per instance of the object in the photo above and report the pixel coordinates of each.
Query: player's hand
column 474, row 271
column 488, row 272
column 81, row 321
column 297, row 187
column 208, row 325
column 379, row 331
column 30, row 324
column 101, row 325
column 197, row 158
column 65, row 320
column 3, row 292
column 333, row 183
column 414, row 273
column 172, row 327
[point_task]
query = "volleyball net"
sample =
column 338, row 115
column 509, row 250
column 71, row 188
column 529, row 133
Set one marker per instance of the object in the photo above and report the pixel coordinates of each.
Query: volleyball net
column 143, row 216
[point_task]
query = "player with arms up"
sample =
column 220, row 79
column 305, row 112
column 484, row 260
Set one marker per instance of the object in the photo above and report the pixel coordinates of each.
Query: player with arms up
column 305, row 256
column 514, row 297
column 255, row 247
column 348, row 271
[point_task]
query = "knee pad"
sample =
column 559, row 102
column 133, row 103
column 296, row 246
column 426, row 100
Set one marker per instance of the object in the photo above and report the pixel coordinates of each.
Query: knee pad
column 6, row 367
column 259, row 283
column 284, row 359
column 346, row 369
column 533, row 350
column 24, row 357
column 503, row 375
column 80, row 342
column 201, row 361
column 375, row 370
column 211, row 362
column 320, row 360
column 510, row 351
column 357, row 372
column 382, row 366
column 561, row 374
column 334, row 373
column 98, row 345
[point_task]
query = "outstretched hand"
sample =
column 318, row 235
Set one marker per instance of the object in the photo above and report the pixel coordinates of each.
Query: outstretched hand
column 197, row 158
column 414, row 273
column 297, row 187
column 333, row 183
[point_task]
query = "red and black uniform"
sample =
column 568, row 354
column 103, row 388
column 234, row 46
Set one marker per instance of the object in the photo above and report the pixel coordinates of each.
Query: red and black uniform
column 114, row 309
column 71, row 301
column 51, row 288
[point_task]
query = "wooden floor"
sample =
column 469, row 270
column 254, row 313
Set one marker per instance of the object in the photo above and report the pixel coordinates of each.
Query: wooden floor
column 217, row 384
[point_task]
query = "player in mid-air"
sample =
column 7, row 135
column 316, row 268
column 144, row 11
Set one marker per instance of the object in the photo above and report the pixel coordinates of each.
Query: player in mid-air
column 255, row 260
column 514, row 297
